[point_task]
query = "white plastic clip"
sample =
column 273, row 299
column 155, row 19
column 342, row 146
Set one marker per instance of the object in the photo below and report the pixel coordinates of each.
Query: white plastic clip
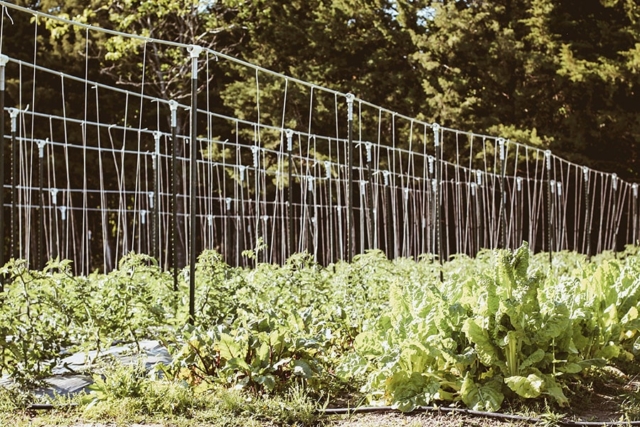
column 143, row 216
column 585, row 172
column 13, row 113
column 547, row 155
column 367, row 146
column 256, row 156
column 479, row 178
column 327, row 169
column 173, row 106
column 63, row 212
column 502, row 151
column 635, row 190
column 436, row 134
column 559, row 184
column 242, row 169
column 614, row 181
column 473, row 189
column 228, row 201
column 431, row 160
column 156, row 136
column 54, row 195
column 385, row 175
column 151, row 197
column 210, row 220
column 289, row 134
column 194, row 53
column 406, row 194
column 552, row 184
column 350, row 99
column 519, row 183
column 362, row 187
column 310, row 180
column 41, row 143
column 4, row 59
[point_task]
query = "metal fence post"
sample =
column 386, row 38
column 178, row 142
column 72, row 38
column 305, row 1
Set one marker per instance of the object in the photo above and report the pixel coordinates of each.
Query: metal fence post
column 194, row 53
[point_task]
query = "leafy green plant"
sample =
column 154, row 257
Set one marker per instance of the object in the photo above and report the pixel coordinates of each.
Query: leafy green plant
column 501, row 330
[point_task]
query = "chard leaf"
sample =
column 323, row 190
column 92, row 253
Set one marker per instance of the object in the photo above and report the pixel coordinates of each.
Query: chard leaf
column 556, row 323
column 554, row 390
column 414, row 357
column 520, row 261
column 481, row 397
column 407, row 391
column 570, row 368
column 352, row 366
column 631, row 315
column 533, row 358
column 632, row 325
column 493, row 300
column 368, row 344
column 527, row 387
column 487, row 352
column 608, row 352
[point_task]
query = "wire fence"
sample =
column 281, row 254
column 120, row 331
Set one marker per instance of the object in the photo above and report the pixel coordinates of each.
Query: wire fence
column 94, row 170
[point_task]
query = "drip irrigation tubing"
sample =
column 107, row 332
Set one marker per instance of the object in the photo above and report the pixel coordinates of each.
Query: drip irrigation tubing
column 497, row 415
column 419, row 409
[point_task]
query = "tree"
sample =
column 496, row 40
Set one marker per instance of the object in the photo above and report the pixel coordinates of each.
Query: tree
column 561, row 74
column 160, row 70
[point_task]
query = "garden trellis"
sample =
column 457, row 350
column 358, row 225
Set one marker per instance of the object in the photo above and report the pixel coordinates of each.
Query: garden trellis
column 297, row 166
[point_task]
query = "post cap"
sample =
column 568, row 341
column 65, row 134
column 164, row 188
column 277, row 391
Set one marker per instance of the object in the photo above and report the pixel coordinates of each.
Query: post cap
column 194, row 50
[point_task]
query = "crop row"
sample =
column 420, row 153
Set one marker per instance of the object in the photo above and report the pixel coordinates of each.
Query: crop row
column 503, row 325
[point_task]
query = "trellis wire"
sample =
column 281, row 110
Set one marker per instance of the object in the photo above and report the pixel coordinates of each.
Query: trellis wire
column 402, row 186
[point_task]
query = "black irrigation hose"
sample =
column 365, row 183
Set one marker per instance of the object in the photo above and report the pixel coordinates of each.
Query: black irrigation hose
column 373, row 409
column 49, row 406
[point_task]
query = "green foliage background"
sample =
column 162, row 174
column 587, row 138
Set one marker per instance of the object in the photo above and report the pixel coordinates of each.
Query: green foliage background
column 559, row 74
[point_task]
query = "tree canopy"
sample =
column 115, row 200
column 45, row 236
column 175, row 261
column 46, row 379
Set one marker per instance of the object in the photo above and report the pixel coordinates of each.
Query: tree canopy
column 559, row 74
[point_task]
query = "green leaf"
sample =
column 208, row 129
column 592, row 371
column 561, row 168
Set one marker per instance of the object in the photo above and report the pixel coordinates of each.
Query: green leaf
column 228, row 347
column 481, row 397
column 554, row 390
column 368, row 344
column 415, row 357
column 608, row 352
column 408, row 390
column 351, row 366
column 302, row 369
column 262, row 355
column 570, row 368
column 527, row 387
column 533, row 358
column 237, row 363
column 487, row 352
column 556, row 323
column 267, row 381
